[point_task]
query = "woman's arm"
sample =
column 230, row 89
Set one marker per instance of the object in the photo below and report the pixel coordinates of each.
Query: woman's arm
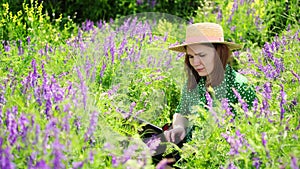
column 179, row 121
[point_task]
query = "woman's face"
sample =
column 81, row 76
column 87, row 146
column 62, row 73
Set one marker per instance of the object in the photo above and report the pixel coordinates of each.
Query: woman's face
column 201, row 58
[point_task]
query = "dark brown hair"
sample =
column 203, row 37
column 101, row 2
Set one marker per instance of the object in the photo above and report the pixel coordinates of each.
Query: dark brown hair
column 216, row 77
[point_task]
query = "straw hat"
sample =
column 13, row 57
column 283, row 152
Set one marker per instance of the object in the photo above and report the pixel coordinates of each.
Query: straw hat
column 201, row 33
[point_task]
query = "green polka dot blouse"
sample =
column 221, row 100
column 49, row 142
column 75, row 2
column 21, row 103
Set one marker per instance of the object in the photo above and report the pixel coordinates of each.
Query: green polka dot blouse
column 232, row 79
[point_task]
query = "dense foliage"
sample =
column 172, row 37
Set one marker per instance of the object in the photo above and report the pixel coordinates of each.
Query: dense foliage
column 69, row 94
column 96, row 10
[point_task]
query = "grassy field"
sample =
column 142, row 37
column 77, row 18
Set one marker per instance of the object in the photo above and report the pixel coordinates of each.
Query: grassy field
column 69, row 93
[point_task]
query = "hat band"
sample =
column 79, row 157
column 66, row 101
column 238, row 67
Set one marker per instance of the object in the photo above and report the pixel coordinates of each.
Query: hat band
column 204, row 39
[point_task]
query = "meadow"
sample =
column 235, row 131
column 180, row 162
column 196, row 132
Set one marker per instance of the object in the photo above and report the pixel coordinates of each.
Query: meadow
column 69, row 93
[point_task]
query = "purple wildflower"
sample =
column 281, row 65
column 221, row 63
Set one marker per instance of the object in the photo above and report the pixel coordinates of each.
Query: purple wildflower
column 58, row 155
column 255, row 105
column 114, row 160
column 48, row 108
column 139, row 2
column 112, row 52
column 279, row 65
column 100, row 24
column 83, row 88
column 153, row 143
column 37, row 95
column 152, row 3
column 282, row 102
column 28, row 40
column 23, row 126
column 219, row 16
column 191, row 21
column 6, row 48
column 128, row 153
column 231, row 166
column 102, row 69
column 77, row 123
column 1, row 117
column 42, row 165
column 2, row 98
column 77, row 165
column 267, row 51
column 6, row 158
column 132, row 105
column 296, row 75
column 256, row 162
column 12, row 127
column 232, row 29
column 88, row 25
column 37, row 133
column 263, row 139
column 241, row 101
column 121, row 47
column 113, row 90
column 91, row 156
column 66, row 124
column 209, row 100
column 92, row 126
column 294, row 163
column 235, row 144
column 227, row 108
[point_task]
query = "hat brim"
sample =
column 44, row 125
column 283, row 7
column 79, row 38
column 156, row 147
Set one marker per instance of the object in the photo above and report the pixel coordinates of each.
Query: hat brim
column 181, row 48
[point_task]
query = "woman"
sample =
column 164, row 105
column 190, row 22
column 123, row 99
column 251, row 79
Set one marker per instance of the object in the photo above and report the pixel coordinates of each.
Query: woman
column 206, row 64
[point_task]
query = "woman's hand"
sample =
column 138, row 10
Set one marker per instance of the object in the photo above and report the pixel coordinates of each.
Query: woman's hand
column 176, row 134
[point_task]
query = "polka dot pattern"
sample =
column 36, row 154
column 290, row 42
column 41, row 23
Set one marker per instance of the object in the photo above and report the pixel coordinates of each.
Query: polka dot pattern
column 233, row 79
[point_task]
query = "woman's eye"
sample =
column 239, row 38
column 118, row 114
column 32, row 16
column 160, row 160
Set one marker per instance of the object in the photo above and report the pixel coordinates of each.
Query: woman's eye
column 190, row 56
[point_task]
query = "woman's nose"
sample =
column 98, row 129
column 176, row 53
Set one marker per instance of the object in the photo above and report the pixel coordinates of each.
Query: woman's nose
column 197, row 60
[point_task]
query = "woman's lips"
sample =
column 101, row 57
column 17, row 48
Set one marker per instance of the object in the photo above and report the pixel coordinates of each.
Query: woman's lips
column 200, row 69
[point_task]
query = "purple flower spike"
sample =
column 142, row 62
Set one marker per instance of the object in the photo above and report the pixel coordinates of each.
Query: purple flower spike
column 296, row 75
column 231, row 166
column 226, row 107
column 58, row 155
column 6, row 47
column 209, row 100
column 93, row 125
column 128, row 153
column 28, row 40
column 139, row 2
column 153, row 143
column 91, row 156
column 42, row 165
column 219, row 17
column 6, row 159
column 294, row 163
column 77, row 165
column 83, row 88
column 256, row 162
column 102, row 69
column 12, row 127
column 263, row 139
column 23, row 126
column 255, row 105
column 241, row 101
column 282, row 102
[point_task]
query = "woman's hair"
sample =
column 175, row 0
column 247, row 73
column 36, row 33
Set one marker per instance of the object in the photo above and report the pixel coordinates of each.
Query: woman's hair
column 222, row 53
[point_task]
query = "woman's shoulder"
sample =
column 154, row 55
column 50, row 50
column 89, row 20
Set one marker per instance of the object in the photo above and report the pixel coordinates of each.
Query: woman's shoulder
column 237, row 77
